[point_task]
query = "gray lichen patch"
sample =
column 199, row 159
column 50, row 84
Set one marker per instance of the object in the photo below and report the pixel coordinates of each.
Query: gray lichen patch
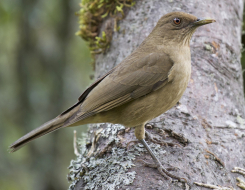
column 109, row 171
column 111, row 131
column 105, row 173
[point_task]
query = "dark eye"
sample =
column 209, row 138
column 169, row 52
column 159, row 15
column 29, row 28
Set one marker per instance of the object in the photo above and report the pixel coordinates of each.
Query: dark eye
column 177, row 21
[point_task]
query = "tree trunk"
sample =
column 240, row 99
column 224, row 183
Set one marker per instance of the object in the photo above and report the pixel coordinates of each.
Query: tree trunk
column 207, row 122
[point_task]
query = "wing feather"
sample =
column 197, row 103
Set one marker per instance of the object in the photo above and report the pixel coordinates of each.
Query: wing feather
column 131, row 79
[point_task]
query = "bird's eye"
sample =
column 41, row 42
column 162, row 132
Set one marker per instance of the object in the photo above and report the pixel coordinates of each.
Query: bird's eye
column 177, row 21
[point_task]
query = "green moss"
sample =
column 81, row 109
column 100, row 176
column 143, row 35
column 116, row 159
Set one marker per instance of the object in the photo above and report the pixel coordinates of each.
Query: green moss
column 91, row 15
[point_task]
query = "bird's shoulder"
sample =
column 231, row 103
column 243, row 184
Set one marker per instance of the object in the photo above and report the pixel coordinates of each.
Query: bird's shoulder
column 143, row 69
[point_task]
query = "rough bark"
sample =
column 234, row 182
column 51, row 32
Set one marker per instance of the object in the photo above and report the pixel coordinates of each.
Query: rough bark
column 207, row 123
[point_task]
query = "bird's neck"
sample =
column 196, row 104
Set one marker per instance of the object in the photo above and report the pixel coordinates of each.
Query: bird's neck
column 172, row 48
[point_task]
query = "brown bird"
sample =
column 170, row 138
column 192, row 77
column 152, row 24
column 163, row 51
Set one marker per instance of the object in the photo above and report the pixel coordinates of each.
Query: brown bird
column 146, row 84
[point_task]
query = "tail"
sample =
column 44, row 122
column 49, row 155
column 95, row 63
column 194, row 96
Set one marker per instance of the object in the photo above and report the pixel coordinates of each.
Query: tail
column 44, row 129
column 50, row 126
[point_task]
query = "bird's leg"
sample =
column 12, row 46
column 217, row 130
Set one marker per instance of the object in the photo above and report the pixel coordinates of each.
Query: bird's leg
column 158, row 164
column 140, row 135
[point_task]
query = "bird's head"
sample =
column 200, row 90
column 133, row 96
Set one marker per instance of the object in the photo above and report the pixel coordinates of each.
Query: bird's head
column 179, row 26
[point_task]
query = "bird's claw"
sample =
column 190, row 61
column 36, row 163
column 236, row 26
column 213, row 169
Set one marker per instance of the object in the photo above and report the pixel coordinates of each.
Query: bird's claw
column 163, row 171
column 153, row 165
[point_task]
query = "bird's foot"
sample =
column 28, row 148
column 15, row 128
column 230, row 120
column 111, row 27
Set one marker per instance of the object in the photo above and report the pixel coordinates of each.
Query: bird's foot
column 163, row 171
column 158, row 140
column 153, row 165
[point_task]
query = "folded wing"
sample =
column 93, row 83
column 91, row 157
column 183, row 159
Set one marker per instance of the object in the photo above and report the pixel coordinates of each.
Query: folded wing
column 130, row 80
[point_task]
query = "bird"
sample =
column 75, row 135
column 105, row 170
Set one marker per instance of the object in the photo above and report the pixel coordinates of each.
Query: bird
column 143, row 86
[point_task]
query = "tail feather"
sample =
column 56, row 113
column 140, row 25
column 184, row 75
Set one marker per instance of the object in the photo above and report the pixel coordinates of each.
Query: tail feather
column 48, row 127
column 38, row 132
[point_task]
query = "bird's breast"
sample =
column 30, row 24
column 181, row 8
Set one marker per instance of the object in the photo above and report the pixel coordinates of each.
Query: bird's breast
column 180, row 77
column 180, row 73
column 154, row 104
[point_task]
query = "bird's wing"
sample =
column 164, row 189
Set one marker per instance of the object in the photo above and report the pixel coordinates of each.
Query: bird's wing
column 87, row 91
column 133, row 78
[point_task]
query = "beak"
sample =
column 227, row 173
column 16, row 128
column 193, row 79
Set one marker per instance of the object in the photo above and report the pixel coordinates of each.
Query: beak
column 203, row 21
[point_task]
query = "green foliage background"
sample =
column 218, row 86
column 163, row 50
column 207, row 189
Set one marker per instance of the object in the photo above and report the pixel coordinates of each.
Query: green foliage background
column 44, row 68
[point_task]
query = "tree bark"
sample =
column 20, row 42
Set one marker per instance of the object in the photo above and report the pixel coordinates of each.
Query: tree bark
column 207, row 122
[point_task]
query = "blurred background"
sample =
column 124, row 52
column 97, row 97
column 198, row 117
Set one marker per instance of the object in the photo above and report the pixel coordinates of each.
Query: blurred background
column 44, row 68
